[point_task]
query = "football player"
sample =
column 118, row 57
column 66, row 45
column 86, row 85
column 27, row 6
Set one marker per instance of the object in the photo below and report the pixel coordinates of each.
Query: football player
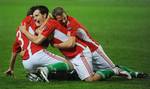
column 99, row 58
column 35, row 56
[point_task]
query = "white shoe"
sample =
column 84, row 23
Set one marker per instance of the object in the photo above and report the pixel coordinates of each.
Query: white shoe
column 125, row 74
column 33, row 77
column 122, row 73
column 43, row 72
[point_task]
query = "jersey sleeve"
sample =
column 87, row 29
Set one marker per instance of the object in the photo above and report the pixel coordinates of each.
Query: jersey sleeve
column 74, row 26
column 47, row 30
column 27, row 20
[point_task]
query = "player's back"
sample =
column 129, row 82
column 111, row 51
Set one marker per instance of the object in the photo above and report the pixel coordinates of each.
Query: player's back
column 82, row 33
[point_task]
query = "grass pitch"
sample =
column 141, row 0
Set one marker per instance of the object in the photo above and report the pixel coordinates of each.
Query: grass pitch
column 121, row 26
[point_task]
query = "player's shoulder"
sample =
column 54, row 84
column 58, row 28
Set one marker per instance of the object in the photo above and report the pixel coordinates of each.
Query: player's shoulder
column 71, row 18
column 27, row 19
column 51, row 22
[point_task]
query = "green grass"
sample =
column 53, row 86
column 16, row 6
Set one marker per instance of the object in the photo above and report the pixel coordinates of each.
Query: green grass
column 121, row 26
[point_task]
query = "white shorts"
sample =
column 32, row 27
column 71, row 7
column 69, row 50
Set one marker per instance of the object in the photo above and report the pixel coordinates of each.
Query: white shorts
column 100, row 60
column 82, row 63
column 41, row 58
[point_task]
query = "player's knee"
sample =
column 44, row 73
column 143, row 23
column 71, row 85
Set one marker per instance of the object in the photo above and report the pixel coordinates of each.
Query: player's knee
column 29, row 69
column 92, row 78
column 89, row 79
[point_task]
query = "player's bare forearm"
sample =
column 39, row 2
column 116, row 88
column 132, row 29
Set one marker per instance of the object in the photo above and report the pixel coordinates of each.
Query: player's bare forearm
column 12, row 60
column 22, row 28
column 11, row 64
column 35, row 39
column 30, row 36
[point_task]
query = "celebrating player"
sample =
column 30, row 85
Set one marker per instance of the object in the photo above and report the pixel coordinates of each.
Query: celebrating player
column 99, row 58
column 34, row 56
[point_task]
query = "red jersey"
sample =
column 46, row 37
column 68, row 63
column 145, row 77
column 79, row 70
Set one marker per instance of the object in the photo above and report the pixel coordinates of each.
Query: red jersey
column 76, row 28
column 22, row 42
column 60, row 35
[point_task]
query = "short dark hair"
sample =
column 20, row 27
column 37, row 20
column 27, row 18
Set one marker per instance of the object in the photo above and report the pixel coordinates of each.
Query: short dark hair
column 58, row 11
column 43, row 9
column 31, row 10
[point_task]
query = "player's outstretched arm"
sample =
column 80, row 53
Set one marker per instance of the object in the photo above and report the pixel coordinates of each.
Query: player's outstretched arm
column 15, row 50
column 10, row 70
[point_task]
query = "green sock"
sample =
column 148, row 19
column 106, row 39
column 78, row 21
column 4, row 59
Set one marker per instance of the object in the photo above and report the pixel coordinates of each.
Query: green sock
column 61, row 66
column 105, row 73
column 132, row 72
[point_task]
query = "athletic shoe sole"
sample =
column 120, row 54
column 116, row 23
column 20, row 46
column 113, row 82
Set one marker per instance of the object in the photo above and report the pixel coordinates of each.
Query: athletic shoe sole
column 43, row 74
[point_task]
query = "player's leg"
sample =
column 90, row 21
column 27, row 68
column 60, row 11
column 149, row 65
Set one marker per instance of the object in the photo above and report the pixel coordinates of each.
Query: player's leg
column 102, row 61
column 43, row 60
column 83, row 65
column 29, row 65
column 56, row 63
column 31, row 70
column 105, row 73
column 51, row 63
column 101, row 74
column 134, row 74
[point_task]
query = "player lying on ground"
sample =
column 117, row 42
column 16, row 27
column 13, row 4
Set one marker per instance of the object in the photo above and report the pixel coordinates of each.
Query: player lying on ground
column 34, row 56
column 99, row 58
column 78, row 54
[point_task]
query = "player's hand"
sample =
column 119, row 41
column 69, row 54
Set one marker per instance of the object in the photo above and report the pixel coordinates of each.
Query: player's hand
column 22, row 28
column 9, row 72
column 39, row 30
column 22, row 53
column 56, row 45
column 68, row 33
